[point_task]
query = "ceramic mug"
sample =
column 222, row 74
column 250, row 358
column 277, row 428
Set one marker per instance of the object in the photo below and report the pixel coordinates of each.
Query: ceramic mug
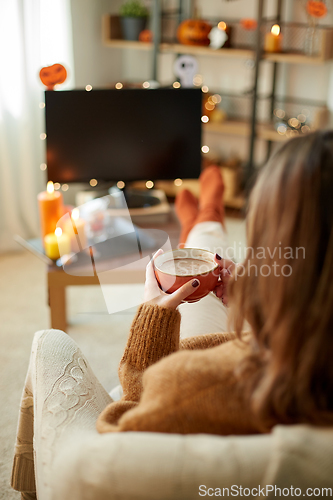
column 175, row 268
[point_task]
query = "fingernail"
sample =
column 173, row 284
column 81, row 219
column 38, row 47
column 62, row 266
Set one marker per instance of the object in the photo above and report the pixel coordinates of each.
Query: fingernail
column 195, row 283
column 218, row 256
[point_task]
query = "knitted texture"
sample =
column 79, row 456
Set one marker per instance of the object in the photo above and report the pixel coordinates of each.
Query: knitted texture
column 149, row 465
column 69, row 397
column 148, row 342
column 205, row 341
column 193, row 389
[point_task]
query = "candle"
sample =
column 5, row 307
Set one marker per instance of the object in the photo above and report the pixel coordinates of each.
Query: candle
column 273, row 39
column 75, row 228
column 57, row 244
column 228, row 31
column 50, row 204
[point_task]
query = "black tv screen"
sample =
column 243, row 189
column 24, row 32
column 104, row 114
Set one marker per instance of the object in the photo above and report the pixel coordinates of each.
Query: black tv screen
column 127, row 134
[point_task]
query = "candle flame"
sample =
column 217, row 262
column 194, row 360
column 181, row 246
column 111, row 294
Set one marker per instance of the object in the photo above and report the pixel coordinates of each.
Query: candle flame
column 50, row 187
column 58, row 232
column 222, row 26
column 75, row 214
column 275, row 30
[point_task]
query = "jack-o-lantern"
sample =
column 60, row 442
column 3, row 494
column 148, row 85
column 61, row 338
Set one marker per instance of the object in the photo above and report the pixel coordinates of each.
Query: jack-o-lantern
column 52, row 75
column 146, row 36
column 316, row 9
column 194, row 32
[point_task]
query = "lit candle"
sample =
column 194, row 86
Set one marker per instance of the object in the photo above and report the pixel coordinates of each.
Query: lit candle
column 50, row 204
column 223, row 26
column 75, row 228
column 57, row 244
column 273, row 39
column 79, row 227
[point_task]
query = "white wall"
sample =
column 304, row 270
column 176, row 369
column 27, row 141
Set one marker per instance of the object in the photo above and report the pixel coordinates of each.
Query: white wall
column 94, row 63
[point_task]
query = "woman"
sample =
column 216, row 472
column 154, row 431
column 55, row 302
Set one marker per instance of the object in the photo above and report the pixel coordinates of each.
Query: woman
column 282, row 371
column 279, row 372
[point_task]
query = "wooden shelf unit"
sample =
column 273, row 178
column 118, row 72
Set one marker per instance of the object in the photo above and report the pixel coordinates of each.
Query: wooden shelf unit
column 265, row 131
column 251, row 129
column 326, row 52
column 176, row 48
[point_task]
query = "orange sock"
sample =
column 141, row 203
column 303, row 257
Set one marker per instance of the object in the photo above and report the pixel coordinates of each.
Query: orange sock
column 211, row 196
column 186, row 205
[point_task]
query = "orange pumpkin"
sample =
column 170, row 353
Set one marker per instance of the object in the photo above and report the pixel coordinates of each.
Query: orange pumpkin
column 249, row 24
column 316, row 9
column 146, row 36
column 193, row 32
column 52, row 75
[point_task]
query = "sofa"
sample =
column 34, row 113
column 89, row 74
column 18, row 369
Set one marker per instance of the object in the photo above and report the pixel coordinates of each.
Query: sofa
column 59, row 455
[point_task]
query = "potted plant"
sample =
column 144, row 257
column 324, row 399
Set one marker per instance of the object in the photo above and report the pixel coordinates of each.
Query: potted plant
column 133, row 17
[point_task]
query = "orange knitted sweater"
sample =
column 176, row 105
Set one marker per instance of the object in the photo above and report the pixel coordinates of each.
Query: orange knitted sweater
column 187, row 386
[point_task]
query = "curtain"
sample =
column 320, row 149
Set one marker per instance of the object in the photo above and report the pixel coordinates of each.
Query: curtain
column 33, row 34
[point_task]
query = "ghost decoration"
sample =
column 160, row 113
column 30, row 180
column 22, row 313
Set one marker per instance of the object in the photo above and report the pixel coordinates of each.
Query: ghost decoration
column 217, row 38
column 186, row 67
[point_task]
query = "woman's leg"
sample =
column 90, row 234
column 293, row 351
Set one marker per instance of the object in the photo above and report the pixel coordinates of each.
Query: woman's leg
column 209, row 208
column 208, row 315
column 62, row 398
column 187, row 208
column 210, row 236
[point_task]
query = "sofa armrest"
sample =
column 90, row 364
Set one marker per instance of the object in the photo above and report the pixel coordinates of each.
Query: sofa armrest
column 152, row 466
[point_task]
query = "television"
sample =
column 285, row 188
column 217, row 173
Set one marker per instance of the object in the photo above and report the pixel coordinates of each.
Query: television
column 123, row 135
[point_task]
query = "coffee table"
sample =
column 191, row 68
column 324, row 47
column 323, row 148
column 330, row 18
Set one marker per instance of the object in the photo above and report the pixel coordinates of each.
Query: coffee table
column 125, row 269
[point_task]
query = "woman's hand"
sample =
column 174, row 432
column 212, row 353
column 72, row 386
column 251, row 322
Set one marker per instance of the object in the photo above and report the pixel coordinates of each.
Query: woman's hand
column 226, row 268
column 155, row 296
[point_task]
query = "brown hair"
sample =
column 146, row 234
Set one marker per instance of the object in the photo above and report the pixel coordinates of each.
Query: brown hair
column 290, row 372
